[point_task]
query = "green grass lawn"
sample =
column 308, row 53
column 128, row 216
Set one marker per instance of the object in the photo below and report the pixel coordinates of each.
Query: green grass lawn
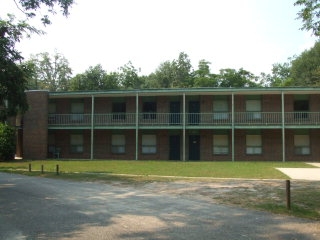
column 256, row 170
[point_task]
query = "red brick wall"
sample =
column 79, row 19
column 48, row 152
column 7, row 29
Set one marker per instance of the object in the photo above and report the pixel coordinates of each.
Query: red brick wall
column 35, row 126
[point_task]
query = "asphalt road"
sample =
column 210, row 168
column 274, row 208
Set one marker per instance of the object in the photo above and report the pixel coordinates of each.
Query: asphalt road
column 37, row 208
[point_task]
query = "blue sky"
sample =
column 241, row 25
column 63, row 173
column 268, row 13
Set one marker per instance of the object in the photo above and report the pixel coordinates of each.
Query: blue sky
column 253, row 34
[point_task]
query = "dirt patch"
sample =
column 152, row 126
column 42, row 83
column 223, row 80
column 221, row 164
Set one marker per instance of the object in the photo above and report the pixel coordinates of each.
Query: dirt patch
column 267, row 195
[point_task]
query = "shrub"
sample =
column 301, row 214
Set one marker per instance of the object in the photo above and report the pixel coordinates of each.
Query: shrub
column 7, row 142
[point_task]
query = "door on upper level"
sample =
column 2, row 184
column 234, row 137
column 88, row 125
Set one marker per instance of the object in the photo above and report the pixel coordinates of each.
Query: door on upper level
column 175, row 113
column 194, row 112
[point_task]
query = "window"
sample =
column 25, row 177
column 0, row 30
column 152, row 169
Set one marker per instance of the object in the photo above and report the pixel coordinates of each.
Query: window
column 149, row 110
column 254, row 109
column 220, row 109
column 149, row 144
column 118, row 144
column 119, row 111
column 76, row 143
column 302, row 144
column 77, row 110
column 220, row 144
column 253, row 144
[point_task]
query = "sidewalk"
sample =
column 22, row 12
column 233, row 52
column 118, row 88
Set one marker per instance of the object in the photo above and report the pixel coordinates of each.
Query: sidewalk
column 311, row 174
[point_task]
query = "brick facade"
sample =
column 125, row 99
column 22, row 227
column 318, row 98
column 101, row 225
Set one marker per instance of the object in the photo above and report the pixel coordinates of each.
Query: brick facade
column 38, row 135
column 35, row 126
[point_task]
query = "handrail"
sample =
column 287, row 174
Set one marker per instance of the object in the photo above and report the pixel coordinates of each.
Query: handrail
column 202, row 119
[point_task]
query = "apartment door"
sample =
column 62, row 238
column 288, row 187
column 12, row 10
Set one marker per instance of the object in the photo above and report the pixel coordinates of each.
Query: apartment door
column 194, row 110
column 174, row 147
column 175, row 113
column 194, row 147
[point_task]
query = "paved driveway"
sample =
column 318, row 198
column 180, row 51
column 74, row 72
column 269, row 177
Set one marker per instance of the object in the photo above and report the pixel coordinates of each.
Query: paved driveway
column 312, row 174
column 37, row 208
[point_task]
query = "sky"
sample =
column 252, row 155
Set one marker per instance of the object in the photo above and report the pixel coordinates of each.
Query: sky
column 249, row 34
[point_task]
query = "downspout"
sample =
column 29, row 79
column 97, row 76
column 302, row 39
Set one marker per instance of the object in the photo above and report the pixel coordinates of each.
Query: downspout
column 92, row 127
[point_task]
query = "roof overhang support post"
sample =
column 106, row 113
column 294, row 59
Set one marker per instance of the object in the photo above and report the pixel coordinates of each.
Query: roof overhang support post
column 184, row 127
column 283, row 128
column 232, row 127
column 137, row 126
column 92, row 128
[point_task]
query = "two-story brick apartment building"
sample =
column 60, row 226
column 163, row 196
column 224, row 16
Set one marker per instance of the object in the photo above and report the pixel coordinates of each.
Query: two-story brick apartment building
column 210, row 124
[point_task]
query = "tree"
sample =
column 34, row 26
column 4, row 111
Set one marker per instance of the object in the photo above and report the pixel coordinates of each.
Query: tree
column 163, row 76
column 7, row 142
column 310, row 15
column 203, row 77
column 233, row 78
column 129, row 78
column 305, row 69
column 280, row 76
column 13, row 74
column 51, row 73
column 182, row 71
column 30, row 8
column 94, row 78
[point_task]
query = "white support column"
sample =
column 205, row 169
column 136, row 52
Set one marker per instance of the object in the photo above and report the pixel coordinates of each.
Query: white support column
column 92, row 128
column 137, row 126
column 184, row 127
column 232, row 129
column 283, row 129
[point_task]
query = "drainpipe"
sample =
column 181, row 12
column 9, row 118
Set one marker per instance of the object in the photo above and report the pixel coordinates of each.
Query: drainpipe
column 92, row 127
column 283, row 129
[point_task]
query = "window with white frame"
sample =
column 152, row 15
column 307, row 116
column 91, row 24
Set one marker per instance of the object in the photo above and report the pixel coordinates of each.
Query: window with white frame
column 220, row 109
column 118, row 142
column 77, row 110
column 253, row 144
column 302, row 144
column 149, row 144
column 220, row 144
column 76, row 141
column 253, row 106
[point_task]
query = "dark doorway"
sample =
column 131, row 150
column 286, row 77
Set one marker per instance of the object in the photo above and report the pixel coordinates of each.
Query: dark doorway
column 194, row 110
column 174, row 147
column 301, row 108
column 175, row 113
column 194, row 147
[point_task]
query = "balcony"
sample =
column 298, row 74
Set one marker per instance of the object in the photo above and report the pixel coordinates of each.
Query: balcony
column 191, row 119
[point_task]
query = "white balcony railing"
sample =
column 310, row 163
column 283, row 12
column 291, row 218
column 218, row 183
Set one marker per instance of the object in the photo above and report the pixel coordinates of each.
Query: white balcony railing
column 169, row 119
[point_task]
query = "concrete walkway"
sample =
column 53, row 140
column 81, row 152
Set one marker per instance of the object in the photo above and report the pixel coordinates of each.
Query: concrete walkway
column 311, row 174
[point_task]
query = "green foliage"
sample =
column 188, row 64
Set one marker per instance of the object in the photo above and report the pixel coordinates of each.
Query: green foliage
column 13, row 76
column 30, row 8
column 94, row 78
column 203, row 77
column 7, row 142
column 129, row 78
column 233, row 78
column 310, row 15
column 51, row 73
column 305, row 70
